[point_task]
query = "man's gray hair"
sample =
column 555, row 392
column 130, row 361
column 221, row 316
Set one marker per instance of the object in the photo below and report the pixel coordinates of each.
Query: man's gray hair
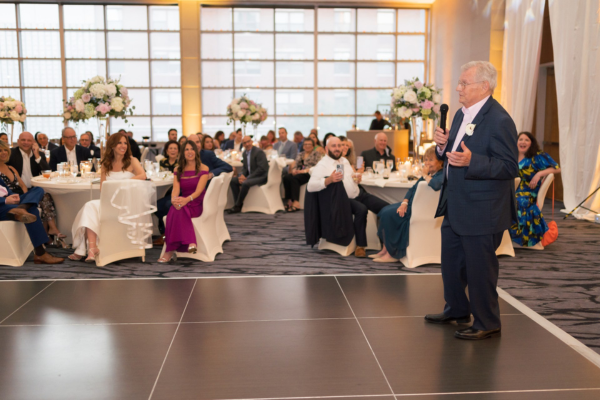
column 64, row 130
column 380, row 133
column 484, row 71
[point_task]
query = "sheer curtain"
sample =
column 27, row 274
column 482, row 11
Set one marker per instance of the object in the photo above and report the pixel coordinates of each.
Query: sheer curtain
column 575, row 29
column 520, row 64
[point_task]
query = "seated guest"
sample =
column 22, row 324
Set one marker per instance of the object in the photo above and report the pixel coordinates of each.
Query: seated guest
column 3, row 137
column 13, row 181
column 43, row 142
column 534, row 166
column 27, row 159
column 189, row 188
column 236, row 143
column 324, row 174
column 378, row 123
column 254, row 172
column 218, row 139
column 207, row 143
column 135, row 148
column 171, row 154
column 394, row 220
column 172, row 134
column 318, row 146
column 284, row 146
column 70, row 151
column 381, row 151
column 265, row 143
column 298, row 174
column 271, row 136
column 117, row 164
column 348, row 151
column 182, row 141
column 24, row 209
column 299, row 140
column 87, row 140
column 327, row 136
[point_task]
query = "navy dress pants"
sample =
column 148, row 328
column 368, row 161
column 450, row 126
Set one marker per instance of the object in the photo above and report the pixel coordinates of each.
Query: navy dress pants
column 36, row 230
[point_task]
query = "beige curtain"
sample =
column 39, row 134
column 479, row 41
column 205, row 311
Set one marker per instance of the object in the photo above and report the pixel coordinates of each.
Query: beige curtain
column 521, row 59
column 575, row 29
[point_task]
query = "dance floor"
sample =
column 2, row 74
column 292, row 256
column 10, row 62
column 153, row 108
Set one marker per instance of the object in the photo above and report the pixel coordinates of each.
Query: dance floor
column 279, row 337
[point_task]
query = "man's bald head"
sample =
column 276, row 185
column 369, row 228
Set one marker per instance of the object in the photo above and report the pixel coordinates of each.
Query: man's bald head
column 25, row 141
column 247, row 143
column 69, row 138
column 194, row 138
column 334, row 147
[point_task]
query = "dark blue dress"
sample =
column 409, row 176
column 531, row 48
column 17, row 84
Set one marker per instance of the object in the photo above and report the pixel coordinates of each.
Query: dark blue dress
column 393, row 229
column 530, row 228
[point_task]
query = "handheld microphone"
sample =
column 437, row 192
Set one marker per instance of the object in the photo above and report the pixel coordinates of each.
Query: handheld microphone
column 444, row 111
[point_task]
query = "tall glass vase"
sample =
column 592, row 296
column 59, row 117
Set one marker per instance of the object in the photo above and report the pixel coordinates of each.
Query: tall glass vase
column 12, row 129
column 416, row 136
column 102, row 133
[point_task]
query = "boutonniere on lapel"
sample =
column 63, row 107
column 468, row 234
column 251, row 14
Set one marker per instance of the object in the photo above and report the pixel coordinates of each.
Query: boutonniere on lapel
column 470, row 129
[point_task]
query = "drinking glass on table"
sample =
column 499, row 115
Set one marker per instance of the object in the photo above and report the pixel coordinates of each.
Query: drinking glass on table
column 46, row 174
column 356, row 177
column 369, row 172
column 389, row 164
column 74, row 170
column 47, row 154
column 380, row 168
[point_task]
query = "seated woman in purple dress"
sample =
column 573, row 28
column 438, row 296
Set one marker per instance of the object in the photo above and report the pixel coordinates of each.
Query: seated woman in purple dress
column 189, row 188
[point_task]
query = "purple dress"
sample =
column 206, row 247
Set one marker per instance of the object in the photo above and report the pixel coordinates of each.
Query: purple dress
column 179, row 230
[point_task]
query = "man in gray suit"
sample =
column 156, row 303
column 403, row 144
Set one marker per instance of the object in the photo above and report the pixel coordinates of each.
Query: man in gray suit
column 477, row 202
column 284, row 146
column 254, row 172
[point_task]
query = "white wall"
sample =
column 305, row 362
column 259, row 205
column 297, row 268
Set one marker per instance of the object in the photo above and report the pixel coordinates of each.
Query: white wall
column 459, row 33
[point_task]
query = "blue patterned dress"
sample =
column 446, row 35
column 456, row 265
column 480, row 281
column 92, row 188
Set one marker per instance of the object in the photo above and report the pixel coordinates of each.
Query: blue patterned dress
column 530, row 228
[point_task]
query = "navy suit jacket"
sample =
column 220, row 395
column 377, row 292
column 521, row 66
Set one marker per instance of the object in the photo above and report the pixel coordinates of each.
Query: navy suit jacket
column 59, row 155
column 480, row 199
column 214, row 163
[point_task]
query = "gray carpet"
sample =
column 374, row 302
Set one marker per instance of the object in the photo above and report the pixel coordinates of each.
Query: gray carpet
column 562, row 283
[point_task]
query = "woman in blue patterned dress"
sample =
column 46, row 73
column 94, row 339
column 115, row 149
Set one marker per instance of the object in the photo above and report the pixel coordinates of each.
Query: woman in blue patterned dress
column 534, row 166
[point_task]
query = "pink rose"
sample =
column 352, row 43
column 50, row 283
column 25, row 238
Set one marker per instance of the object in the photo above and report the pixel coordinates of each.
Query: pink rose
column 436, row 109
column 124, row 92
column 244, row 105
column 427, row 104
column 418, row 84
column 86, row 97
column 416, row 109
column 19, row 108
column 103, row 108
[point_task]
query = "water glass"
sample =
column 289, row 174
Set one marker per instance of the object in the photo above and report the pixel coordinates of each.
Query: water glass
column 74, row 170
column 47, row 154
column 380, row 168
column 389, row 164
column 369, row 172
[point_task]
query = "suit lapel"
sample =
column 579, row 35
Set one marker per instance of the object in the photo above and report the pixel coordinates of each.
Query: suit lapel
column 478, row 119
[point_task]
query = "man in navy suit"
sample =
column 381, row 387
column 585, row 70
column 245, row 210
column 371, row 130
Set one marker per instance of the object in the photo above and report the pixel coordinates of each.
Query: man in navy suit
column 42, row 140
column 87, row 140
column 69, row 151
column 477, row 201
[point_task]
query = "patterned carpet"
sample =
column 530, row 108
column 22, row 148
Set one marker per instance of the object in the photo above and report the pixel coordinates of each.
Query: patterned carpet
column 562, row 283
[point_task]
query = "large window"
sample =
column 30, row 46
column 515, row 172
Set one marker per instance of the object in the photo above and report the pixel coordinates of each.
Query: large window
column 329, row 68
column 47, row 50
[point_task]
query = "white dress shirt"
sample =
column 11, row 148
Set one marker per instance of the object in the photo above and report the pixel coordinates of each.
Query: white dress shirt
column 26, row 174
column 469, row 115
column 325, row 168
column 71, row 155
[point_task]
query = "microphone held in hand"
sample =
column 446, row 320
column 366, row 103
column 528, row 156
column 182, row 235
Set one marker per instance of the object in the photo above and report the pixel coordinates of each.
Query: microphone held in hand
column 444, row 111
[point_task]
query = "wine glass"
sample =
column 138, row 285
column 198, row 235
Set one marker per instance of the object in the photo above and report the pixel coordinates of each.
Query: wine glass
column 74, row 170
column 375, row 165
column 389, row 164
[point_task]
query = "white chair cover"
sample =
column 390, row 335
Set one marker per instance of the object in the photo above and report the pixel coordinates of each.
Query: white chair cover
column 15, row 245
column 126, row 208
column 425, row 237
column 207, row 242
column 266, row 199
column 344, row 251
column 373, row 242
column 302, row 195
column 222, row 231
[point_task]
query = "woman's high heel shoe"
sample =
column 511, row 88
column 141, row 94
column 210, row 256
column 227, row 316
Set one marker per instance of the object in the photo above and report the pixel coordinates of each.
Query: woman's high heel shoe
column 164, row 260
column 192, row 249
column 58, row 241
column 92, row 254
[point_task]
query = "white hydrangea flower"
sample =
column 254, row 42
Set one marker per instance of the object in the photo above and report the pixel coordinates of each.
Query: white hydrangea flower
column 79, row 105
column 117, row 104
column 98, row 90
column 437, row 98
column 410, row 96
column 111, row 90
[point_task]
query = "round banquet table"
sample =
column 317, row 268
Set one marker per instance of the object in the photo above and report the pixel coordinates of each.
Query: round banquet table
column 390, row 190
column 70, row 197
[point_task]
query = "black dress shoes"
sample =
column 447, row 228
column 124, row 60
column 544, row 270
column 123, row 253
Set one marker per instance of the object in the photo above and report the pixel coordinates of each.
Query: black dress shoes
column 444, row 319
column 474, row 334
column 234, row 210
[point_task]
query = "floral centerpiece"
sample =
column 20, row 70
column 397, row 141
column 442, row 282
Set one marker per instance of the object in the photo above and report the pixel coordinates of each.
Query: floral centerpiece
column 246, row 111
column 11, row 111
column 414, row 100
column 99, row 98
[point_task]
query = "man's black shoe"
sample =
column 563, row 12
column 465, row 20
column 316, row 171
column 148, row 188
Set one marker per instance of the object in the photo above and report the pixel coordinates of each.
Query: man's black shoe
column 443, row 319
column 474, row 334
column 234, row 210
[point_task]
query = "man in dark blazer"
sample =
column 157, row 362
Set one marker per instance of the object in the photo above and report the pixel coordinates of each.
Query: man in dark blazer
column 69, row 151
column 236, row 142
column 27, row 154
column 87, row 140
column 255, row 172
column 477, row 201
column 380, row 151
column 42, row 140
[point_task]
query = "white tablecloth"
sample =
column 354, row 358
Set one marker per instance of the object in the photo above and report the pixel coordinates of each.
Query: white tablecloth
column 393, row 191
column 70, row 197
